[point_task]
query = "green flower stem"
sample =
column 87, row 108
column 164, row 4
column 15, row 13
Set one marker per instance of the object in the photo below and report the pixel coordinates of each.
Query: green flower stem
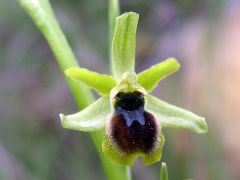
column 43, row 16
column 41, row 13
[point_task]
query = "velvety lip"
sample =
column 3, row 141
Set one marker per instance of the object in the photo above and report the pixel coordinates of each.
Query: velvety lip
column 133, row 128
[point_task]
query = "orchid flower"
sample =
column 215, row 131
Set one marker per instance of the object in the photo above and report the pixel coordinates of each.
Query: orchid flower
column 133, row 119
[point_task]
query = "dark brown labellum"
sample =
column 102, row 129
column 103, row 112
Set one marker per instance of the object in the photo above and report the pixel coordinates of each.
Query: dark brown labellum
column 132, row 128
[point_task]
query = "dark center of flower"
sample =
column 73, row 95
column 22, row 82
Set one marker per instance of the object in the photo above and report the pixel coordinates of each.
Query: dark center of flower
column 129, row 101
column 133, row 128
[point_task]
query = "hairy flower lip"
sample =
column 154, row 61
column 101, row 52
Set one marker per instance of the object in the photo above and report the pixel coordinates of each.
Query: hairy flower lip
column 135, row 137
column 127, row 156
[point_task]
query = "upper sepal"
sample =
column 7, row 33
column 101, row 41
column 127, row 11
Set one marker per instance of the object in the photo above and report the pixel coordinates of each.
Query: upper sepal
column 92, row 118
column 171, row 116
column 123, row 44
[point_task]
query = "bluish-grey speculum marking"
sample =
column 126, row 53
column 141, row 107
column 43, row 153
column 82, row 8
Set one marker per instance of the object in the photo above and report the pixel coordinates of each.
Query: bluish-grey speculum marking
column 133, row 128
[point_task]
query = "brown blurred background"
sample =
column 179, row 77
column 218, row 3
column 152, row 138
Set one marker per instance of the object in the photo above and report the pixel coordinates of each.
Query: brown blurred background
column 203, row 34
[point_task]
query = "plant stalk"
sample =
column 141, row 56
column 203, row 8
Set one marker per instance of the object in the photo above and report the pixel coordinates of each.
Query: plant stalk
column 44, row 18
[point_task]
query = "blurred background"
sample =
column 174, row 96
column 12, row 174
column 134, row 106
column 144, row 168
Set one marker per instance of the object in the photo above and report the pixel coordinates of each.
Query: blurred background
column 203, row 34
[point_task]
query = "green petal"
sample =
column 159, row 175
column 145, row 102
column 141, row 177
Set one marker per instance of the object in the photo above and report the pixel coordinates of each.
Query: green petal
column 120, row 158
column 124, row 43
column 99, row 82
column 89, row 119
column 174, row 117
column 151, row 77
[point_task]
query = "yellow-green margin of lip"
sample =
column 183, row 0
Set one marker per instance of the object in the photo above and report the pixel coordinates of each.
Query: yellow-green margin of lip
column 115, row 155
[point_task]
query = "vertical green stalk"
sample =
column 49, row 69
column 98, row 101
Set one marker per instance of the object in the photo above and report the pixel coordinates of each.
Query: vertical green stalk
column 44, row 18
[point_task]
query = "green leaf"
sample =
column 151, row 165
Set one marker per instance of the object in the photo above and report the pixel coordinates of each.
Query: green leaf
column 164, row 172
column 174, row 117
column 89, row 119
column 124, row 43
column 151, row 77
column 99, row 82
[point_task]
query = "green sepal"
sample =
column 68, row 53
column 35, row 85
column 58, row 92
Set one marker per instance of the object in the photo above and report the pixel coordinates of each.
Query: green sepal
column 151, row 77
column 116, row 156
column 92, row 118
column 174, row 117
column 100, row 82
column 124, row 44
column 164, row 172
